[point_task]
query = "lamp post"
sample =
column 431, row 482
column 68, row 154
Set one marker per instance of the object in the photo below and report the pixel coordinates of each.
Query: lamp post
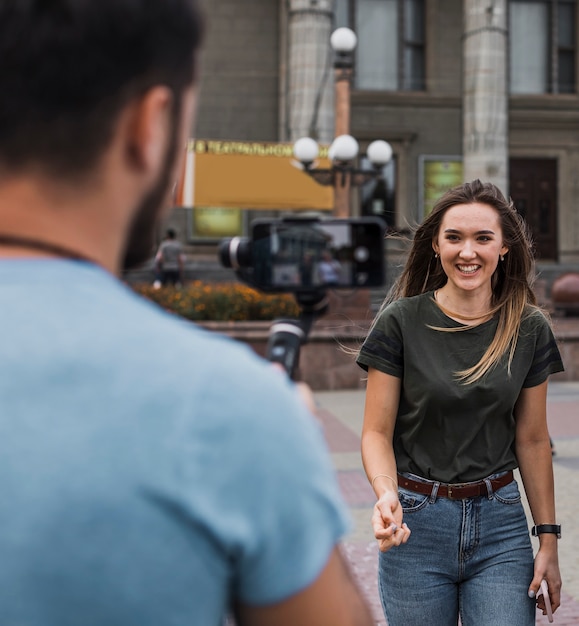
column 344, row 150
column 343, row 42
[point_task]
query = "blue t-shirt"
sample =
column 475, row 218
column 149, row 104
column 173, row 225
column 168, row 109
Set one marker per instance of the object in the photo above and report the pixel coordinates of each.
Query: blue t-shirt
column 150, row 472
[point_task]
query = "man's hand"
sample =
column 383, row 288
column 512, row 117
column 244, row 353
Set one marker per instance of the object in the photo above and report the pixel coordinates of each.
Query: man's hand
column 304, row 390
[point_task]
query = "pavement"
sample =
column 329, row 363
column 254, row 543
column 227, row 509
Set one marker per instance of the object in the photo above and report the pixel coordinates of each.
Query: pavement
column 341, row 413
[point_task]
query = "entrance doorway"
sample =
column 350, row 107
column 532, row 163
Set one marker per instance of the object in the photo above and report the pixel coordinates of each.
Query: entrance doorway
column 533, row 188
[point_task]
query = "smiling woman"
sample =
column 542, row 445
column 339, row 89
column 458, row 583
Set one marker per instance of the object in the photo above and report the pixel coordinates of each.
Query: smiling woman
column 469, row 243
column 458, row 360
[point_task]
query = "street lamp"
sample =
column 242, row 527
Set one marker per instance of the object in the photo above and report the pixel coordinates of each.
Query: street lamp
column 344, row 149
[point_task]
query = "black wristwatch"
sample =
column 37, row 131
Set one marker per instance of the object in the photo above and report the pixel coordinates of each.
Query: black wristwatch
column 552, row 529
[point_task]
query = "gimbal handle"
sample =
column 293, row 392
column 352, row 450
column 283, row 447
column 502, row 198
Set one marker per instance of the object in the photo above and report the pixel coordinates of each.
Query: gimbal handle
column 286, row 336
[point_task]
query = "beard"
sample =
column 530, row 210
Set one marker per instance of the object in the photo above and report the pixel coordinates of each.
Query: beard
column 141, row 238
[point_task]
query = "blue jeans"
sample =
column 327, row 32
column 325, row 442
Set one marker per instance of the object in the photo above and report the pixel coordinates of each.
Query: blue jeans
column 471, row 557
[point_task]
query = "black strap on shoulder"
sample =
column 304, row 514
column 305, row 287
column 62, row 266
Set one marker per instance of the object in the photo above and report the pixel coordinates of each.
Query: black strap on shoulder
column 44, row 246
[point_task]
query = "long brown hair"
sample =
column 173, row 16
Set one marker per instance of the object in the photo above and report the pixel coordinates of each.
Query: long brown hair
column 512, row 293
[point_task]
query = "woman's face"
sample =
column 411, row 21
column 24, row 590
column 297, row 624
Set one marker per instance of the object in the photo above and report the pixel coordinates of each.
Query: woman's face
column 470, row 242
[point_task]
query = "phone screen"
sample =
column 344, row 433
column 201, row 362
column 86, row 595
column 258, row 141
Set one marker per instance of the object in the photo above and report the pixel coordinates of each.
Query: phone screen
column 302, row 255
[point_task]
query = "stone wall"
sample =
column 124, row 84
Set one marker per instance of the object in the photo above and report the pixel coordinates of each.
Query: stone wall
column 567, row 334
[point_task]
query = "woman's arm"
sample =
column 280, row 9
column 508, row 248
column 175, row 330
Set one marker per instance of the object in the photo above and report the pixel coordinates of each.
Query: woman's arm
column 534, row 456
column 382, row 399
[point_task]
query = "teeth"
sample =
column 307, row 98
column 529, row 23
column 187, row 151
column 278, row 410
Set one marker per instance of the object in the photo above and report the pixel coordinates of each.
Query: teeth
column 468, row 269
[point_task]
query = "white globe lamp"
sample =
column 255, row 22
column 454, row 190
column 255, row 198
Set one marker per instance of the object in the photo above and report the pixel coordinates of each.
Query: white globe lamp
column 343, row 40
column 344, row 148
column 379, row 153
column 306, row 150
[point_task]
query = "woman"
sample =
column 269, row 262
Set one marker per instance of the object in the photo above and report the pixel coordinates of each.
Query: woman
column 458, row 361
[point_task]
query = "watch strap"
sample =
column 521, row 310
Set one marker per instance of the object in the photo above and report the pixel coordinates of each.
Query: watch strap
column 540, row 529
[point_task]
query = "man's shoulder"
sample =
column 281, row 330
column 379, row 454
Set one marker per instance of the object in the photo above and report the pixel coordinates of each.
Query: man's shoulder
column 191, row 352
column 118, row 333
column 104, row 312
column 164, row 333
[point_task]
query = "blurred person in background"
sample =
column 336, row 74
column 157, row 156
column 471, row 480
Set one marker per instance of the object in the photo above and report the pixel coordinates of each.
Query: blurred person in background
column 170, row 260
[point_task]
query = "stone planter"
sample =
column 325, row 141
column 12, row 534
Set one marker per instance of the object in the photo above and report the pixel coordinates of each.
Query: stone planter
column 567, row 334
column 565, row 294
column 326, row 362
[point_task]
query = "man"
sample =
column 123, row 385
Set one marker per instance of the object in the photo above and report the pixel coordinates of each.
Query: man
column 170, row 260
column 151, row 473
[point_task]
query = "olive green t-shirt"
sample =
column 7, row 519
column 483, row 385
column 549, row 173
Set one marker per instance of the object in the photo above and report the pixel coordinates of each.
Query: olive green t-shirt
column 447, row 430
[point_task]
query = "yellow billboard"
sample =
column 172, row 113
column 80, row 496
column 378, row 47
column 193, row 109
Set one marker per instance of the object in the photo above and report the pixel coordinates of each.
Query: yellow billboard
column 217, row 222
column 249, row 175
column 439, row 175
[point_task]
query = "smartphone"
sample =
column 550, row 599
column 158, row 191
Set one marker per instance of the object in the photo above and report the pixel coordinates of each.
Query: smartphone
column 544, row 589
column 300, row 254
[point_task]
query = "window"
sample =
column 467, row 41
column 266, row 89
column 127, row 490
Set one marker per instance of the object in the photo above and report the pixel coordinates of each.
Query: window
column 542, row 46
column 391, row 42
column 378, row 197
column 413, row 46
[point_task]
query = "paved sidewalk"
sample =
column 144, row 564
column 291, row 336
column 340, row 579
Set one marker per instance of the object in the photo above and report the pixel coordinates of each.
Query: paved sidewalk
column 341, row 414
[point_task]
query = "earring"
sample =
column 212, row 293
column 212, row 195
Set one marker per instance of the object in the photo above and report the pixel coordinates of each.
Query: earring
column 502, row 257
column 436, row 255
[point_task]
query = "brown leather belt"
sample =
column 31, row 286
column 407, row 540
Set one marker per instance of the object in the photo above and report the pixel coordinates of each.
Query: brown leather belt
column 457, row 491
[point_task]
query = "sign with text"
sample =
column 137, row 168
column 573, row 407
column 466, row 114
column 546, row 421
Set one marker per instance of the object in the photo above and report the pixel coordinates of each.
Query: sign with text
column 249, row 175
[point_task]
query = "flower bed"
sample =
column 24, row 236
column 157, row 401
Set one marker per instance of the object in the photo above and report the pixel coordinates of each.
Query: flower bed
column 198, row 301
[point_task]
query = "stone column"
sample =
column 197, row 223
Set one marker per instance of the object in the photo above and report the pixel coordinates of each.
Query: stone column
column 310, row 85
column 485, row 95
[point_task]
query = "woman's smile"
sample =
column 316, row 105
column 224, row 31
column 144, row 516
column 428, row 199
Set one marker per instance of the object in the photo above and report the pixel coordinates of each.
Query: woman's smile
column 470, row 243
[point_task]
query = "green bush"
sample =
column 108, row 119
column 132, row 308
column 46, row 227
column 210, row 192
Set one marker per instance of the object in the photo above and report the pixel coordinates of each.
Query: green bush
column 199, row 302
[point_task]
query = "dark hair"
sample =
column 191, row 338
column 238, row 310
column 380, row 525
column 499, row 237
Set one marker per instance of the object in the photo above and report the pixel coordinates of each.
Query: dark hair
column 68, row 67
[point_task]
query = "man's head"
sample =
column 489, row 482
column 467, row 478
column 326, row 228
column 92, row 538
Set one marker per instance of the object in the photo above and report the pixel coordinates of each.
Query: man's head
column 69, row 68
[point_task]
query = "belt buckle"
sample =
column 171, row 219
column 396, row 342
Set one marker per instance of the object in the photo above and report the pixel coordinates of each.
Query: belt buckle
column 459, row 489
column 451, row 488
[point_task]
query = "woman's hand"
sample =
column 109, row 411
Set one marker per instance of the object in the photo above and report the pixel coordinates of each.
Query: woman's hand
column 387, row 523
column 547, row 568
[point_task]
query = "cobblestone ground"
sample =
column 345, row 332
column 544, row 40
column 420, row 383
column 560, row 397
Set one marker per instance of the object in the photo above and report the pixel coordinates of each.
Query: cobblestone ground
column 341, row 415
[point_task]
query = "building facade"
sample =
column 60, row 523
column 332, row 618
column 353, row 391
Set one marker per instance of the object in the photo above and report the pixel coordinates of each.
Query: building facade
column 457, row 87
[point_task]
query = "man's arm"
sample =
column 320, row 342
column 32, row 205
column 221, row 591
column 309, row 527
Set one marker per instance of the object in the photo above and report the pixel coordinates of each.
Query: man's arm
column 333, row 598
